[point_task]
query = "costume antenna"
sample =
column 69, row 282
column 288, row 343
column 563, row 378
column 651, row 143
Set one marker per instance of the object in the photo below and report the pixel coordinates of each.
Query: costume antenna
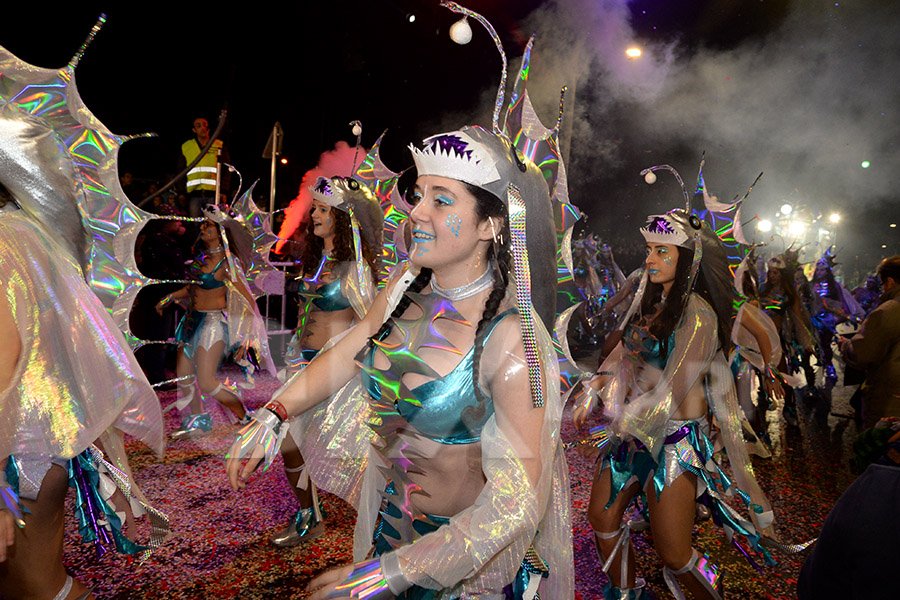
column 687, row 198
column 752, row 185
column 357, row 131
column 562, row 98
column 493, row 33
column 87, row 42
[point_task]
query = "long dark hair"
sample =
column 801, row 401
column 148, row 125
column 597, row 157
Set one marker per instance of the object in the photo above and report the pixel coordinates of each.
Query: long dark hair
column 828, row 277
column 663, row 324
column 786, row 281
column 343, row 245
column 487, row 205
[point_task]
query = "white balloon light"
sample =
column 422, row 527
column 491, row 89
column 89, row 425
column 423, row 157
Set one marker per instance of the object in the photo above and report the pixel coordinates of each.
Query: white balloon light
column 650, row 177
column 460, row 32
column 356, row 129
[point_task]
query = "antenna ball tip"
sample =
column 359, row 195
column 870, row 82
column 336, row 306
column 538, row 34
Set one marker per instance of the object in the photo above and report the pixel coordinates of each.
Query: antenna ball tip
column 650, row 177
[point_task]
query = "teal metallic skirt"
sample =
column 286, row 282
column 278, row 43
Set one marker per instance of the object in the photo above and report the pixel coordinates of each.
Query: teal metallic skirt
column 687, row 449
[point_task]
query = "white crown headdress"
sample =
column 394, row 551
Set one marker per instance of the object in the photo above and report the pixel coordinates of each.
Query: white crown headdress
column 456, row 156
column 661, row 229
column 323, row 191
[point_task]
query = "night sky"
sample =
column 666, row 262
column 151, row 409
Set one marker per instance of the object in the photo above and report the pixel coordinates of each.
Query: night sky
column 804, row 91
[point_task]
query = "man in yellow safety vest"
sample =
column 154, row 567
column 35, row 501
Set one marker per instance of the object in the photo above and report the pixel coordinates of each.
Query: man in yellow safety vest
column 201, row 179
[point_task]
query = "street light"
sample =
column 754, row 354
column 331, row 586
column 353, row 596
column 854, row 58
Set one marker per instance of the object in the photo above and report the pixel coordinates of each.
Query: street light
column 786, row 209
column 834, row 218
column 764, row 225
column 633, row 52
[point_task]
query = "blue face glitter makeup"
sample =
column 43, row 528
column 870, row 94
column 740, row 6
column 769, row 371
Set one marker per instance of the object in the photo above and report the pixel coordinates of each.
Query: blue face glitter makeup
column 454, row 223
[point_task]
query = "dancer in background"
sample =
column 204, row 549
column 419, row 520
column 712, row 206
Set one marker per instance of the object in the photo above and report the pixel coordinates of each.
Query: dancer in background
column 658, row 385
column 831, row 305
column 781, row 301
column 756, row 350
column 222, row 317
column 339, row 286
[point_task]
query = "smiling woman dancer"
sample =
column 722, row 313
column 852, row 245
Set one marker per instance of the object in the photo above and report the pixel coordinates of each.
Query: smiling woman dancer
column 339, row 287
column 464, row 398
column 657, row 387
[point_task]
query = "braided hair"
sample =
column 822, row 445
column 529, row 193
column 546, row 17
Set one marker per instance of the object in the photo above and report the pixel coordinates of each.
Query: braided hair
column 487, row 205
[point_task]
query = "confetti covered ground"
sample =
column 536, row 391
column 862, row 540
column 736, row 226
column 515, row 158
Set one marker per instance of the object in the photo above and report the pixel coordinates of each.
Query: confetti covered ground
column 219, row 547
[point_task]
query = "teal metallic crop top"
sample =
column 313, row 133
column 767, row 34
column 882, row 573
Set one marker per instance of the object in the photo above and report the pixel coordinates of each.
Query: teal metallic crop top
column 648, row 347
column 330, row 298
column 438, row 408
column 208, row 281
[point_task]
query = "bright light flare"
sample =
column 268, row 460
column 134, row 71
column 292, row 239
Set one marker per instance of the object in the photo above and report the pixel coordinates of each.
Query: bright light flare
column 865, row 164
column 786, row 209
column 797, row 228
column 764, row 225
column 834, row 218
column 633, row 52
column 284, row 161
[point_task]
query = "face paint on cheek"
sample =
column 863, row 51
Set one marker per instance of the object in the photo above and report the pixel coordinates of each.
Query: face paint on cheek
column 668, row 259
column 454, row 223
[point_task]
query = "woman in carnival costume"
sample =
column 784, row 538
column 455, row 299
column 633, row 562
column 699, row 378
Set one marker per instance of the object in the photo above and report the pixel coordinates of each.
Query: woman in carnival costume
column 465, row 460
column 461, row 473
column 756, row 349
column 339, row 271
column 831, row 305
column 657, row 387
column 781, row 301
column 222, row 317
column 69, row 384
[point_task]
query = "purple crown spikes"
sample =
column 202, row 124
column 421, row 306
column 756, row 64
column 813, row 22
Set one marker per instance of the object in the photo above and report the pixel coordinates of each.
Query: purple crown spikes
column 660, row 225
column 448, row 142
column 457, row 156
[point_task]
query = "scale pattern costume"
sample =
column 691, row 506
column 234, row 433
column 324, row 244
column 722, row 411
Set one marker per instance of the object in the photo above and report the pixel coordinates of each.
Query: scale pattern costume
column 59, row 163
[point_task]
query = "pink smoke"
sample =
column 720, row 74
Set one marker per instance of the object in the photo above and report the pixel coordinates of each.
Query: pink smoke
column 338, row 161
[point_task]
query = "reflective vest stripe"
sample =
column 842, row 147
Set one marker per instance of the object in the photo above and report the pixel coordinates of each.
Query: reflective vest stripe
column 198, row 178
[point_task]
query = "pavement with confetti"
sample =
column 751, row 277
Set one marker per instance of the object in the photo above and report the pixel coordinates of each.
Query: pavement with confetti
column 219, row 548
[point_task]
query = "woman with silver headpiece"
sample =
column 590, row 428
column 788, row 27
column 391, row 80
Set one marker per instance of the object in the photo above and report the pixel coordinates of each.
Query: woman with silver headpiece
column 657, row 387
column 464, row 480
column 221, row 317
column 338, row 287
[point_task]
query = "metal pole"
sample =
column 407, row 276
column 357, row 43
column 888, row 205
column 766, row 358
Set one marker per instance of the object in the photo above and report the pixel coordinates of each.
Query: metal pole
column 274, row 158
column 218, row 175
